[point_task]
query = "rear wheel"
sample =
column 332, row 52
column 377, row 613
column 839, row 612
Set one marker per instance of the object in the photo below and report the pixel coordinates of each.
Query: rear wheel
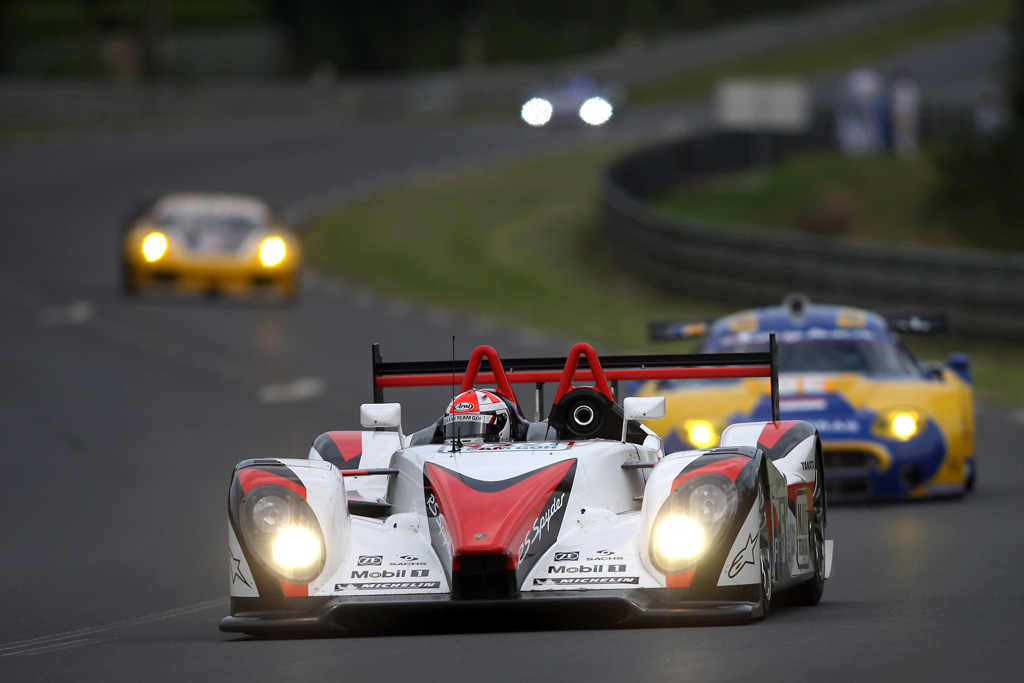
column 765, row 542
column 809, row 592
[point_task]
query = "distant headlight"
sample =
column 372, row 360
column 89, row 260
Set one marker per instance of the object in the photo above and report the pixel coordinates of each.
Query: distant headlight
column 901, row 425
column 537, row 111
column 282, row 531
column 700, row 433
column 154, row 246
column 272, row 251
column 596, row 111
column 691, row 521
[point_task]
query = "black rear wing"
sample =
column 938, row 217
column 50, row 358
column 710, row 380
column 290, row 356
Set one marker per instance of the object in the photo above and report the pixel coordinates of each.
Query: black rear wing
column 582, row 364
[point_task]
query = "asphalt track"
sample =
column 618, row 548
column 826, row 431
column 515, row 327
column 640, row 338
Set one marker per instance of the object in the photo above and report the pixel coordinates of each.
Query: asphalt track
column 120, row 421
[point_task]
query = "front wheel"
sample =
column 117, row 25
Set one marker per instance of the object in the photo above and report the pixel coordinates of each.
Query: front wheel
column 809, row 592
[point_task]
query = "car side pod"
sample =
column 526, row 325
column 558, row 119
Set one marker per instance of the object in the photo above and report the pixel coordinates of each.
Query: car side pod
column 642, row 408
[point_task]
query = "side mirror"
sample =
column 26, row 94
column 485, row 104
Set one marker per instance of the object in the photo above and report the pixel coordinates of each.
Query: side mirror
column 960, row 363
column 374, row 415
column 642, row 408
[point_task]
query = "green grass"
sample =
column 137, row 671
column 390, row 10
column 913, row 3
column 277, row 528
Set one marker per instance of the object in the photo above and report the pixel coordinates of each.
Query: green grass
column 518, row 242
column 881, row 197
column 845, row 52
column 515, row 242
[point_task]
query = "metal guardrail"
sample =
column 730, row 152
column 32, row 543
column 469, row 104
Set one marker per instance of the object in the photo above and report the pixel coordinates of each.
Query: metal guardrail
column 982, row 291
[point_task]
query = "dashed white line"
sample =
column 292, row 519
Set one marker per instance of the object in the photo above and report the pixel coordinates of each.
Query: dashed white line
column 300, row 390
column 80, row 636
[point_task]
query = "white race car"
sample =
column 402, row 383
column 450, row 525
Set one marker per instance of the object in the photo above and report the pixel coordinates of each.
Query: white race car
column 486, row 512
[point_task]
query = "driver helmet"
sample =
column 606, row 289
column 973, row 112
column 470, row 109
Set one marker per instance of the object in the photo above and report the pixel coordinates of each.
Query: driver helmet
column 477, row 416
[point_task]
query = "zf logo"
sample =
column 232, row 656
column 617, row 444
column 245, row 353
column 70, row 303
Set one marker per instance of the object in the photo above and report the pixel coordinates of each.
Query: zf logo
column 370, row 560
column 567, row 557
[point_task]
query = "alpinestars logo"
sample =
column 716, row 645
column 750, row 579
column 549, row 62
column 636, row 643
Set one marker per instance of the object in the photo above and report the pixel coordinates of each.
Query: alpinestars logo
column 742, row 560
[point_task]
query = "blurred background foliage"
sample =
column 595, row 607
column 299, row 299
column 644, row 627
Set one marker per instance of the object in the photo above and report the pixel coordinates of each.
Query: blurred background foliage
column 981, row 193
column 141, row 37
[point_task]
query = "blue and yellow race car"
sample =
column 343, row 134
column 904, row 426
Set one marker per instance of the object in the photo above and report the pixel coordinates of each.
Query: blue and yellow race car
column 892, row 426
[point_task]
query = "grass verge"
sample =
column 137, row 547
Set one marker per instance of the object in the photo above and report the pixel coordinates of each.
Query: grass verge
column 518, row 242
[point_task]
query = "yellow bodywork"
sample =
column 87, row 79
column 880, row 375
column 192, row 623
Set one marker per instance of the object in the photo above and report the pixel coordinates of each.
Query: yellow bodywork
column 948, row 403
column 149, row 261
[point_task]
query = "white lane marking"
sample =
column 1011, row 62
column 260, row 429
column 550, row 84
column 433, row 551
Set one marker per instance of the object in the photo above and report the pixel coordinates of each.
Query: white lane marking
column 43, row 643
column 300, row 390
column 75, row 313
column 56, row 646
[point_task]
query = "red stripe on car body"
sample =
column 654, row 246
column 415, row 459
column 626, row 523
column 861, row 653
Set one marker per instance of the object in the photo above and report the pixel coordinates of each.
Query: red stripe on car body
column 730, row 467
column 773, row 431
column 350, row 444
column 251, row 477
column 496, row 522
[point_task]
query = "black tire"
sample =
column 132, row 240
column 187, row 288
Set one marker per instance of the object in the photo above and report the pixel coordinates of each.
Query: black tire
column 809, row 592
column 972, row 475
column 767, row 547
column 128, row 285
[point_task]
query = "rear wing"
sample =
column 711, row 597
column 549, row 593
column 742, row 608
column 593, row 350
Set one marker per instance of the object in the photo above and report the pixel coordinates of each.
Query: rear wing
column 581, row 365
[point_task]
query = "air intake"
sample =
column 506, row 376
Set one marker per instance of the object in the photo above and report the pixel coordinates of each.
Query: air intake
column 484, row 577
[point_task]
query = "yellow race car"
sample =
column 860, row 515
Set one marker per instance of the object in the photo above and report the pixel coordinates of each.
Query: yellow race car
column 212, row 243
column 891, row 426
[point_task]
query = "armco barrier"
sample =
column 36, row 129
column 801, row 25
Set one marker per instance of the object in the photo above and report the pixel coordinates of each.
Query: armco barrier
column 982, row 291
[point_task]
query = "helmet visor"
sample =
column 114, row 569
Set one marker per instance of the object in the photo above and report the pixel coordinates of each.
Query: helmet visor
column 474, row 427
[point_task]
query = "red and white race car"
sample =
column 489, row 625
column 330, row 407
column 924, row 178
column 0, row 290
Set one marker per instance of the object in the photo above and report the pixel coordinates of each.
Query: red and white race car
column 487, row 511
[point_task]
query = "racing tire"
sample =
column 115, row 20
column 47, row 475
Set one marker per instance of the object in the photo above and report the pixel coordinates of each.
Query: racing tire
column 972, row 475
column 766, row 546
column 129, row 284
column 809, row 592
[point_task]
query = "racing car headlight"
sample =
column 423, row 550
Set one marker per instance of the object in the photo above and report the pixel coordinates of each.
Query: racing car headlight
column 596, row 111
column 537, row 111
column 691, row 521
column 901, row 425
column 154, row 246
column 272, row 252
column 700, row 433
column 282, row 530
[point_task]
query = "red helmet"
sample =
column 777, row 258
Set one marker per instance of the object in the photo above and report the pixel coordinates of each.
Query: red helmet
column 477, row 416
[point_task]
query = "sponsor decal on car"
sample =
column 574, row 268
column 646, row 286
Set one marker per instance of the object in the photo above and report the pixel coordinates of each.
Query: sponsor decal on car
column 744, row 557
column 518, row 447
column 542, row 525
column 388, row 574
column 404, row 585
column 837, row 426
column 567, row 557
column 370, row 560
column 586, row 569
column 585, row 580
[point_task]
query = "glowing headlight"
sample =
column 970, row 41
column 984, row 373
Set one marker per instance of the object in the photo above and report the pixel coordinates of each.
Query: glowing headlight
column 296, row 549
column 691, row 521
column 272, row 251
column 899, row 424
column 537, row 111
column 154, row 246
column 700, row 433
column 709, row 503
column 271, row 513
column 283, row 533
column 679, row 538
column 596, row 111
